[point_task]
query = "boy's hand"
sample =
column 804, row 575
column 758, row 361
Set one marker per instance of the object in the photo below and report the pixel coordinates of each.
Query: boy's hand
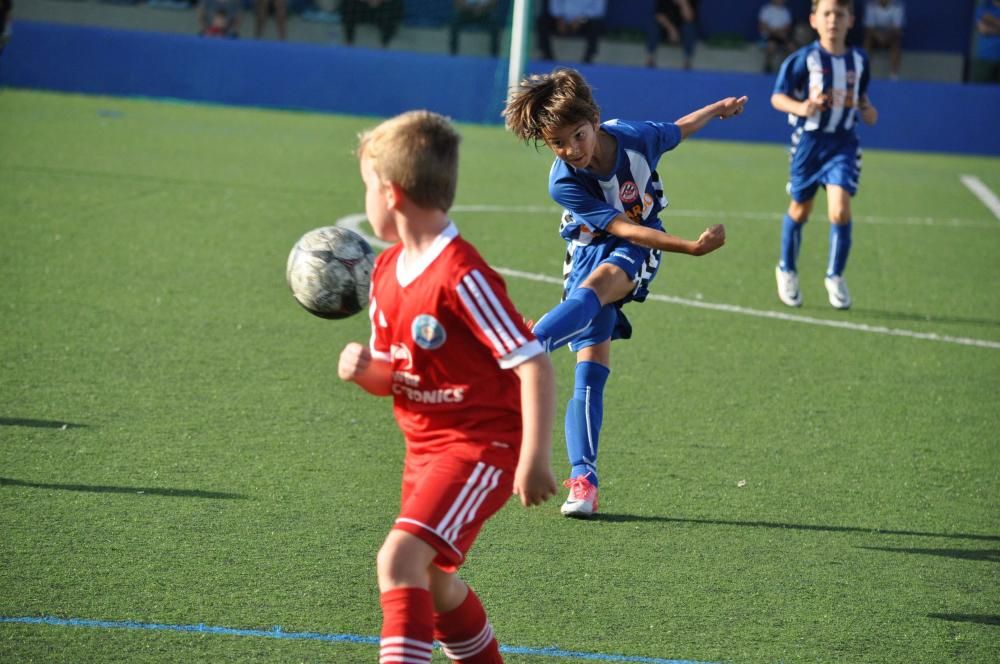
column 354, row 361
column 814, row 104
column 731, row 106
column 869, row 115
column 534, row 483
column 711, row 239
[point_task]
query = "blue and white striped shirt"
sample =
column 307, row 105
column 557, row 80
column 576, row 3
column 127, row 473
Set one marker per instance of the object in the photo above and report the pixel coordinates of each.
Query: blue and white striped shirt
column 633, row 189
column 812, row 70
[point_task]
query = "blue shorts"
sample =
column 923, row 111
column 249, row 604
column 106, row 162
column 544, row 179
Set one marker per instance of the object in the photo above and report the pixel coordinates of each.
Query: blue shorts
column 822, row 159
column 639, row 263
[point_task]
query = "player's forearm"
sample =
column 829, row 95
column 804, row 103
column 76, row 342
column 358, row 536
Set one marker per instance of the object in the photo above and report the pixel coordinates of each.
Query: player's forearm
column 375, row 379
column 651, row 238
column 692, row 122
column 785, row 104
column 869, row 114
column 537, row 409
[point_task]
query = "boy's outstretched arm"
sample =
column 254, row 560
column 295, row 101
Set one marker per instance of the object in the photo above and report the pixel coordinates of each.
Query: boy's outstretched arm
column 533, row 479
column 722, row 109
column 710, row 239
column 357, row 366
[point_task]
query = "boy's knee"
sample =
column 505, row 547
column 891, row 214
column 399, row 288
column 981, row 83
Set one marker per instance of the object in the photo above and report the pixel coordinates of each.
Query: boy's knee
column 840, row 214
column 403, row 560
column 799, row 212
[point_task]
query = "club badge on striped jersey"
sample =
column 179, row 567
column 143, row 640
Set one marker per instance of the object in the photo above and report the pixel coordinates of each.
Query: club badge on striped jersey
column 427, row 332
column 629, row 193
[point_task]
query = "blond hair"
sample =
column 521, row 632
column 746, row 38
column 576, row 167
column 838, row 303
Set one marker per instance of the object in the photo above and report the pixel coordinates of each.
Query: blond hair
column 543, row 103
column 847, row 4
column 418, row 150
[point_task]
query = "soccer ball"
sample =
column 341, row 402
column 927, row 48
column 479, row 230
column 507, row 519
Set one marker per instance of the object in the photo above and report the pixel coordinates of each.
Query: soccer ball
column 329, row 271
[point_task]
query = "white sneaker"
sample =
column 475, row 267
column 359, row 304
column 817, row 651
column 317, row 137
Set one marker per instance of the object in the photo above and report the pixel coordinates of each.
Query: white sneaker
column 836, row 288
column 582, row 500
column 788, row 287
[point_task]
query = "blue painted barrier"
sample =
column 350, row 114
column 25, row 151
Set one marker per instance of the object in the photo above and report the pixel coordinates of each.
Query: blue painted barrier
column 934, row 117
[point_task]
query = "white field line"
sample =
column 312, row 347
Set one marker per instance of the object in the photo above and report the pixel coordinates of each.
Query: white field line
column 354, row 221
column 749, row 216
column 983, row 193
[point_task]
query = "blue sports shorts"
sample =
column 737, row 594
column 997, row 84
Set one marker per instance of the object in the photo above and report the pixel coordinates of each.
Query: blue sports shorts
column 639, row 263
column 823, row 159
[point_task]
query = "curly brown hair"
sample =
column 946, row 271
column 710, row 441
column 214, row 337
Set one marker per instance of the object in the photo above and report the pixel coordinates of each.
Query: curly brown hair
column 542, row 103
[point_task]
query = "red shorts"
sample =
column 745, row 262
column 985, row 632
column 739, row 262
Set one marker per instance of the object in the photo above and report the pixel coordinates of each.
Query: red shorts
column 447, row 498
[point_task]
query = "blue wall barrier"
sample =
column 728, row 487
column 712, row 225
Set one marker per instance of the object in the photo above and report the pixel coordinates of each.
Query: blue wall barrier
column 935, row 117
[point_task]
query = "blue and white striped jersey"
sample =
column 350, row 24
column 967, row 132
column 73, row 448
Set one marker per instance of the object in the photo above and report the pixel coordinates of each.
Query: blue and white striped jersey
column 633, row 189
column 812, row 70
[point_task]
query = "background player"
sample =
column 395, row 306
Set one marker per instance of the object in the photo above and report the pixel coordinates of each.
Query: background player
column 472, row 391
column 605, row 177
column 823, row 87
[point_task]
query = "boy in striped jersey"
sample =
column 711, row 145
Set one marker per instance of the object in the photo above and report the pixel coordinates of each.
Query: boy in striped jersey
column 824, row 89
column 604, row 175
column 472, row 391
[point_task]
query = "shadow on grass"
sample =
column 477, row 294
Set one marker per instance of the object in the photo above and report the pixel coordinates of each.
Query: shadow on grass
column 622, row 518
column 38, row 424
column 986, row 555
column 150, row 491
column 925, row 318
column 966, row 617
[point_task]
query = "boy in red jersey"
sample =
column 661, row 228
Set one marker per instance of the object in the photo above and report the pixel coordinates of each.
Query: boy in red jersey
column 472, row 391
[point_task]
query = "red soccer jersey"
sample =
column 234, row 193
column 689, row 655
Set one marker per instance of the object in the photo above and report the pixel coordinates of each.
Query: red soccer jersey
column 452, row 335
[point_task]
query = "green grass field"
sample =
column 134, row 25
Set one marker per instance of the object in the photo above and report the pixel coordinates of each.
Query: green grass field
column 777, row 485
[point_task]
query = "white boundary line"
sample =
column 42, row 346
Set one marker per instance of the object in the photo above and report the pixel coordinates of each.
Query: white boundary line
column 354, row 223
column 983, row 193
column 749, row 216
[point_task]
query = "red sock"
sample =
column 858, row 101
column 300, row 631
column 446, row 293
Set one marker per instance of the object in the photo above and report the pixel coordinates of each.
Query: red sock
column 466, row 635
column 407, row 626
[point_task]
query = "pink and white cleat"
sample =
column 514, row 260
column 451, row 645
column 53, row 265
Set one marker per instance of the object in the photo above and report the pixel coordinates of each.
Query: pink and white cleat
column 582, row 500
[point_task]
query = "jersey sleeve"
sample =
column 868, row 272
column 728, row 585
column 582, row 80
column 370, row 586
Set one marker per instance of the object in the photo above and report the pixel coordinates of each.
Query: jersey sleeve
column 792, row 76
column 660, row 137
column 379, row 344
column 493, row 319
column 570, row 192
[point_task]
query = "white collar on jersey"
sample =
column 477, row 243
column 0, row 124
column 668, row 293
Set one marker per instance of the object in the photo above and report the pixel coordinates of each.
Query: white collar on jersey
column 405, row 274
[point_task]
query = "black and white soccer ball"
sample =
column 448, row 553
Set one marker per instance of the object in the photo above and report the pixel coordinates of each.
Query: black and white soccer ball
column 329, row 271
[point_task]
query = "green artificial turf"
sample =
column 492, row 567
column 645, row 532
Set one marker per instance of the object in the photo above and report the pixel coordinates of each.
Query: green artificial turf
column 777, row 485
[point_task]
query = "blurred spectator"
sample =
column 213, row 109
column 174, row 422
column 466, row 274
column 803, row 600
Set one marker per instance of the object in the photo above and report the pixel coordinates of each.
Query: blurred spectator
column 483, row 13
column 986, row 63
column 219, row 18
column 774, row 22
column 5, row 19
column 263, row 9
column 569, row 18
column 884, row 20
column 385, row 14
column 676, row 21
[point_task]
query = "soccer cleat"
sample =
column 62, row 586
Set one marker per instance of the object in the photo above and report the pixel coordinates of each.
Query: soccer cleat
column 582, row 500
column 836, row 288
column 788, row 287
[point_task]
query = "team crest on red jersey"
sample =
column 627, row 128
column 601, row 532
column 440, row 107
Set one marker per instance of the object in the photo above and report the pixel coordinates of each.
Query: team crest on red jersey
column 427, row 332
column 628, row 192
